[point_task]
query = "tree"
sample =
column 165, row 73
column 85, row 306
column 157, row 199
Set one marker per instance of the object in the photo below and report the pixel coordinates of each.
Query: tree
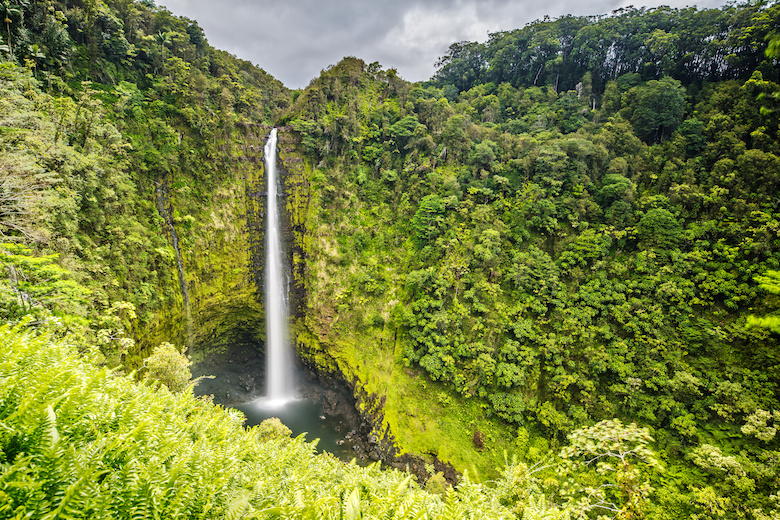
column 37, row 286
column 169, row 367
column 483, row 155
column 271, row 429
column 112, row 331
column 614, row 187
column 403, row 130
column 164, row 37
column 24, row 189
column 657, row 108
column 770, row 282
column 462, row 66
column 621, row 457
column 454, row 137
column 428, row 219
column 691, row 130
column 12, row 12
column 536, row 277
column 659, row 229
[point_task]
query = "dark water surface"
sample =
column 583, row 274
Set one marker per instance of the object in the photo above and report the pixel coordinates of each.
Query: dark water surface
column 319, row 412
column 305, row 416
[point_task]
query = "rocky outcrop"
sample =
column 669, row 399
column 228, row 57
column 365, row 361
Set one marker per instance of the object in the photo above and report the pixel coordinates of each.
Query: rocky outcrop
column 371, row 437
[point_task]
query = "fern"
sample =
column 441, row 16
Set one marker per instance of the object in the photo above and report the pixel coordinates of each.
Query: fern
column 238, row 505
column 352, row 509
column 80, row 442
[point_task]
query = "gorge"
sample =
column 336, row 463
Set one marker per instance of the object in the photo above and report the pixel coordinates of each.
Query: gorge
column 262, row 378
column 546, row 278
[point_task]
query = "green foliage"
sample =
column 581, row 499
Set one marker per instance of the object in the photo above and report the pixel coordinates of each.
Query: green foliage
column 37, row 286
column 402, row 130
column 535, row 276
column 272, row 429
column 614, row 187
column 770, row 282
column 560, row 257
column 139, row 114
column 80, row 442
column 573, row 222
column 483, row 154
column 620, row 456
column 659, row 229
column 112, row 330
column 633, row 44
column 428, row 220
column 169, row 367
column 757, row 425
column 656, row 108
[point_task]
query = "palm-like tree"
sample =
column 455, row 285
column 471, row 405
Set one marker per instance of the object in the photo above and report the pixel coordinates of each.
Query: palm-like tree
column 36, row 53
column 164, row 37
column 8, row 11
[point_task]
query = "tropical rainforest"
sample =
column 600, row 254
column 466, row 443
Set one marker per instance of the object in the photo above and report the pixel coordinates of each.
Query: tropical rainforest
column 554, row 267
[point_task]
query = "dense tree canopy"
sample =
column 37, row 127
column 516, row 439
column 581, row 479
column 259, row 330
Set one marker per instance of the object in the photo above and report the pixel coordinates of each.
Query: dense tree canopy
column 569, row 240
column 564, row 249
column 690, row 45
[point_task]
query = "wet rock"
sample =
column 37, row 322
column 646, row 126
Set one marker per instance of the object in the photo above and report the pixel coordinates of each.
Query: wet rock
column 247, row 382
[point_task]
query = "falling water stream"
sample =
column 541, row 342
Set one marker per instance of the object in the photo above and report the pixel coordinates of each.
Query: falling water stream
column 279, row 367
column 165, row 214
column 302, row 404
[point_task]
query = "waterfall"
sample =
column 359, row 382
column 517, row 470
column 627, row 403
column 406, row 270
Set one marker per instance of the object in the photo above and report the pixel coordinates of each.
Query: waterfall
column 279, row 369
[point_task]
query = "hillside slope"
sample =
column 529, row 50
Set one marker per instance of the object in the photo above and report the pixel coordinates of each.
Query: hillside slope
column 79, row 442
column 503, row 266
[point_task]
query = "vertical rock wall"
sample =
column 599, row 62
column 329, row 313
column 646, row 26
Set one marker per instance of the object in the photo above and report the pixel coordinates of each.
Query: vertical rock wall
column 220, row 241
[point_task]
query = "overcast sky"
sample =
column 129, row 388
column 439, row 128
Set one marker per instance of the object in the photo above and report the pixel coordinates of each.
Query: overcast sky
column 295, row 39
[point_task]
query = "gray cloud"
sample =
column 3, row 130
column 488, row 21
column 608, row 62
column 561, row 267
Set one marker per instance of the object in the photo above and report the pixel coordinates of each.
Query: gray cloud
column 295, row 39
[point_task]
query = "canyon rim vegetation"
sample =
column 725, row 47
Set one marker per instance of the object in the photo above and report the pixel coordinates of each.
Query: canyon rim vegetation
column 552, row 270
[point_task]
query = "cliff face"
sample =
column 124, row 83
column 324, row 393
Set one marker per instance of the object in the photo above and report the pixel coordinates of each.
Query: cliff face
column 334, row 354
column 221, row 242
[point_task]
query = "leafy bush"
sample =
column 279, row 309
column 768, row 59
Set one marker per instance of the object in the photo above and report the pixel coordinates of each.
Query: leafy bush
column 168, row 366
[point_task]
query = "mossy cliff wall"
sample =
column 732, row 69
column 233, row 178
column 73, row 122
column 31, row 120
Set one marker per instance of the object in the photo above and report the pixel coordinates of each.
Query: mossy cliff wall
column 219, row 222
column 315, row 346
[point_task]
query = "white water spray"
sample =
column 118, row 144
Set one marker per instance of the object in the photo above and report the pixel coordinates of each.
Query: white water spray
column 279, row 369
